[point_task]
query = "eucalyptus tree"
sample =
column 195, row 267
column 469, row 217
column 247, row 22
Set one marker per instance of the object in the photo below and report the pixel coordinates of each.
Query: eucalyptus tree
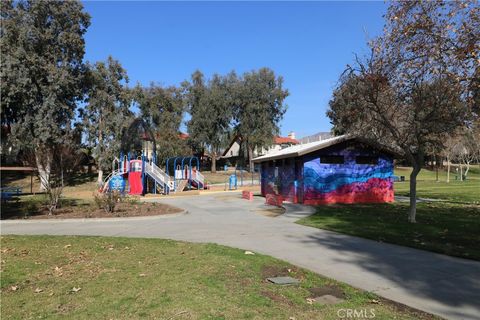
column 416, row 87
column 42, row 74
column 162, row 110
column 106, row 112
column 211, row 108
column 259, row 106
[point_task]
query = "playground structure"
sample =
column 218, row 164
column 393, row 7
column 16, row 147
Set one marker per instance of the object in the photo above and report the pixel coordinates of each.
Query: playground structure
column 144, row 176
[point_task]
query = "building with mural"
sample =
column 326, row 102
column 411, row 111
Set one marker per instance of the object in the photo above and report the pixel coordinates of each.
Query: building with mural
column 342, row 169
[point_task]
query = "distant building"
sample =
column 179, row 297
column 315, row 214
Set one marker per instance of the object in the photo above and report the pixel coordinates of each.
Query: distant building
column 316, row 137
column 232, row 152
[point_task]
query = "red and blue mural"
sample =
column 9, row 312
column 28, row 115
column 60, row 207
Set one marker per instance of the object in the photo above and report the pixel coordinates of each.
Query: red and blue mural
column 339, row 174
column 349, row 182
column 280, row 180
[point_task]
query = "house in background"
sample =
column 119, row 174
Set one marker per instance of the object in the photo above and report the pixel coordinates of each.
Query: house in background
column 316, row 137
column 233, row 152
column 342, row 169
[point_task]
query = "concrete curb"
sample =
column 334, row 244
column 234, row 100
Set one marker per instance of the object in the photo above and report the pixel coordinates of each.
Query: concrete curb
column 114, row 219
column 297, row 211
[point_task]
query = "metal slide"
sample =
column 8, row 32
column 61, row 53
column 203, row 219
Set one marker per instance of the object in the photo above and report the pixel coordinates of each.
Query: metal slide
column 198, row 178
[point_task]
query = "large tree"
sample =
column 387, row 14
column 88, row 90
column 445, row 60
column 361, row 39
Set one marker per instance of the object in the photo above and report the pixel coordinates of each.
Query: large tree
column 106, row 112
column 162, row 110
column 211, row 110
column 259, row 107
column 416, row 87
column 42, row 73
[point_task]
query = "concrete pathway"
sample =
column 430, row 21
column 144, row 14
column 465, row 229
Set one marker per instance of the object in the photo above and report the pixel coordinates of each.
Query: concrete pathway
column 438, row 284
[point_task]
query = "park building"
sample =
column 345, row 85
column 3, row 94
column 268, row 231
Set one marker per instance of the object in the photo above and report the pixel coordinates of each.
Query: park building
column 341, row 169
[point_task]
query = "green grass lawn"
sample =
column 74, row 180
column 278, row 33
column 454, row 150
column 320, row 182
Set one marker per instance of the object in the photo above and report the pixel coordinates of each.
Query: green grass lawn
column 427, row 174
column 428, row 187
column 455, row 191
column 223, row 176
column 106, row 278
column 443, row 227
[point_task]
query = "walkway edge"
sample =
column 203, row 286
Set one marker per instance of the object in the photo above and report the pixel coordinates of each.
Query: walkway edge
column 115, row 219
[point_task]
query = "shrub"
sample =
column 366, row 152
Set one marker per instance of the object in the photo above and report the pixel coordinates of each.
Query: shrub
column 107, row 201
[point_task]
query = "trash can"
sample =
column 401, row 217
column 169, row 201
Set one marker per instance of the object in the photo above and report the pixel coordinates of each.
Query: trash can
column 232, row 182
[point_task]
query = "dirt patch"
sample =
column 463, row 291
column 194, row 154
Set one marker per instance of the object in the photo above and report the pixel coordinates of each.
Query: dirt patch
column 270, row 271
column 330, row 290
column 417, row 314
column 273, row 212
column 275, row 297
column 92, row 211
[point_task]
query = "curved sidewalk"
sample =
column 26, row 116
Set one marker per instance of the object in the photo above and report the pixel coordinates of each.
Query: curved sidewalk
column 438, row 284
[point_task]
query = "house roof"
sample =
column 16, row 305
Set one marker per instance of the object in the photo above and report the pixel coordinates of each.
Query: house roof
column 285, row 140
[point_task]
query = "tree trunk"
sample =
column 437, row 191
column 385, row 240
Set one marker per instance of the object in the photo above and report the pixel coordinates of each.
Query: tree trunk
column 461, row 172
column 413, row 193
column 99, row 156
column 43, row 162
column 467, row 166
column 448, row 169
column 250, row 159
column 213, row 167
column 100, row 176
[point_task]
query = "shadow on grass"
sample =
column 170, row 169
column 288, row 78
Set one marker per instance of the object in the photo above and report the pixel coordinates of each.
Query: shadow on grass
column 446, row 228
column 81, row 178
column 24, row 206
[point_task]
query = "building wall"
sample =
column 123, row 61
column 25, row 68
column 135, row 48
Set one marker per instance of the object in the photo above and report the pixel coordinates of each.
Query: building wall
column 308, row 180
column 279, row 177
column 350, row 182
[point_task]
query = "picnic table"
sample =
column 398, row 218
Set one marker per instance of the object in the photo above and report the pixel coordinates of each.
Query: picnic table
column 8, row 192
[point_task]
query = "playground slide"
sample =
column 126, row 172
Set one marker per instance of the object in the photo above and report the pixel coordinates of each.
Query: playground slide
column 196, row 184
column 135, row 182
column 197, row 180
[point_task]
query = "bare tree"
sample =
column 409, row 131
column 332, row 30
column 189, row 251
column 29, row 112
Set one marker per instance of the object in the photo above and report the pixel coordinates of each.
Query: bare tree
column 468, row 151
column 416, row 87
column 63, row 161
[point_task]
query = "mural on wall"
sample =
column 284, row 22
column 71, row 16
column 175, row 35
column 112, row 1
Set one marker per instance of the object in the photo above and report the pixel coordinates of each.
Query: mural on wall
column 350, row 182
column 279, row 180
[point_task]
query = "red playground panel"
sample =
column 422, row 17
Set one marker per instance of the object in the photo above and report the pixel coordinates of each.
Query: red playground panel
column 135, row 177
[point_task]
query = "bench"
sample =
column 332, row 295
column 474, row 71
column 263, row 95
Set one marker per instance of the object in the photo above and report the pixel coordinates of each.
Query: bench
column 8, row 192
column 12, row 190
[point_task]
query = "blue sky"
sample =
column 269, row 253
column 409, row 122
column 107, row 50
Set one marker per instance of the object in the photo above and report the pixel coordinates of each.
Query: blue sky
column 308, row 43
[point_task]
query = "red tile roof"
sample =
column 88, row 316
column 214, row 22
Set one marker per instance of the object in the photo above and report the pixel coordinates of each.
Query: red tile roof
column 285, row 140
